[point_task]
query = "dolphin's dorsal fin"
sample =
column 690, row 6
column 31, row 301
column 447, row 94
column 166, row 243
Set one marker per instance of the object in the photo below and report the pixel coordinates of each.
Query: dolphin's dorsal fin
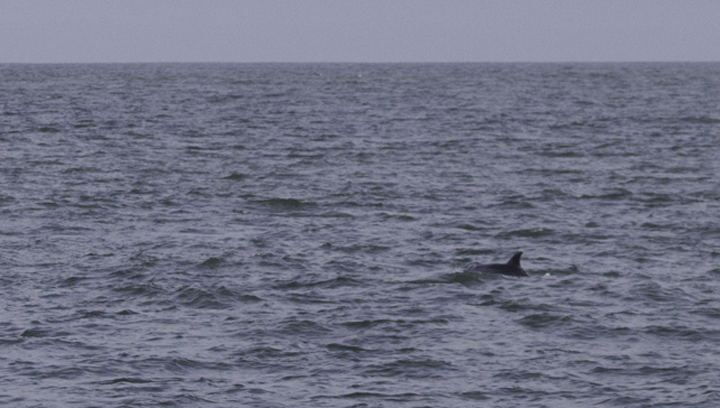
column 515, row 260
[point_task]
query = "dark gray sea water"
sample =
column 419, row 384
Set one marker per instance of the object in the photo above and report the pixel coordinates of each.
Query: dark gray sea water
column 296, row 235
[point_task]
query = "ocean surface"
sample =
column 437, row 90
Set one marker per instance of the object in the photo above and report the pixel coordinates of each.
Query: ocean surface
column 297, row 235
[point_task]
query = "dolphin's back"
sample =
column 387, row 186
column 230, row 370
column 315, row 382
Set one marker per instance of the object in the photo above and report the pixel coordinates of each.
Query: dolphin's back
column 511, row 268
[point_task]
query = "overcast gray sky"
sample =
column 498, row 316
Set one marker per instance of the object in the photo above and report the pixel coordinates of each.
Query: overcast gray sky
column 358, row 30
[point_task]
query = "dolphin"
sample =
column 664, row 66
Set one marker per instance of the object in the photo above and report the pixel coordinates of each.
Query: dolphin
column 511, row 268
